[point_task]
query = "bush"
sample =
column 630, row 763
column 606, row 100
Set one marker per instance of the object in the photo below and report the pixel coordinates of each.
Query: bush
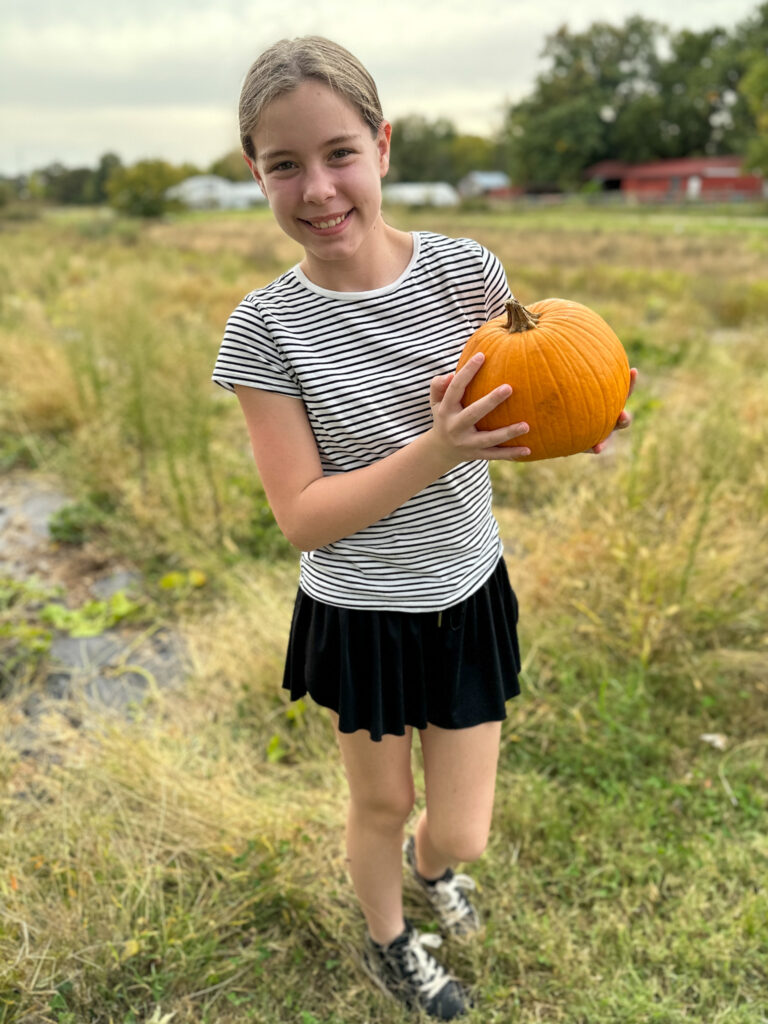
column 140, row 190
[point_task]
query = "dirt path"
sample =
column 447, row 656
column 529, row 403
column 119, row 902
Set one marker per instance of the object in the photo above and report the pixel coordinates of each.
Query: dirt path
column 85, row 678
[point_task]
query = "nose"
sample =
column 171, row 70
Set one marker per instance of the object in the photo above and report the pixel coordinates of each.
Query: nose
column 318, row 184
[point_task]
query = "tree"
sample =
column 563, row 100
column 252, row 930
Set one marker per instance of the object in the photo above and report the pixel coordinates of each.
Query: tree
column 108, row 164
column 426, row 150
column 550, row 147
column 421, row 149
column 753, row 86
column 141, row 190
column 472, row 153
column 754, row 89
column 231, row 166
column 9, row 191
column 633, row 93
column 66, row 186
column 580, row 102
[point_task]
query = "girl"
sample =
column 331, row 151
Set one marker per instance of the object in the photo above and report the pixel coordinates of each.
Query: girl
column 404, row 618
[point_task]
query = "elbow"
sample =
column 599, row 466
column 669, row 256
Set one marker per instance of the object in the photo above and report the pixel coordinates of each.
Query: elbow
column 303, row 535
column 307, row 540
column 293, row 533
column 306, row 524
column 299, row 539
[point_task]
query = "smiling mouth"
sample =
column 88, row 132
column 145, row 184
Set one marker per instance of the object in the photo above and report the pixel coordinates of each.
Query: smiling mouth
column 328, row 222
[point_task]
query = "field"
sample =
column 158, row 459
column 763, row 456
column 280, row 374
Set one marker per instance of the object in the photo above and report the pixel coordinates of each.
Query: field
column 186, row 863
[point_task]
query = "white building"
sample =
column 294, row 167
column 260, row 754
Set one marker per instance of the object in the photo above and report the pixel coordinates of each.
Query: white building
column 210, row 192
column 420, row 193
column 483, row 183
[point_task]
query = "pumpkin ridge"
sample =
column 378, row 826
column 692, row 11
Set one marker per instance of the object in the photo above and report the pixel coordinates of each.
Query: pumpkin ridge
column 547, row 435
column 567, row 352
column 600, row 344
column 587, row 394
column 613, row 382
column 533, row 343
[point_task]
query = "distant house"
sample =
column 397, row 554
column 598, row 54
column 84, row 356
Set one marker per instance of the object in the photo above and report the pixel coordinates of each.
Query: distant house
column 487, row 184
column 420, row 193
column 691, row 178
column 210, row 192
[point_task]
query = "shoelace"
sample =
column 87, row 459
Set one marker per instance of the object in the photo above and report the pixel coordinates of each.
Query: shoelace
column 428, row 974
column 449, row 895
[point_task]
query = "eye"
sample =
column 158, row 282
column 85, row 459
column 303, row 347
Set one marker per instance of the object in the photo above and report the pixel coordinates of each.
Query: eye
column 340, row 154
column 284, row 165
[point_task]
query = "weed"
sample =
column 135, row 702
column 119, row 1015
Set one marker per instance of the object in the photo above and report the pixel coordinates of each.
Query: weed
column 24, row 639
column 18, row 453
column 80, row 521
column 93, row 617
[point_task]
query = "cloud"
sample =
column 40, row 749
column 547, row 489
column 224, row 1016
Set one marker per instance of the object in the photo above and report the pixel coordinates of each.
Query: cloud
column 78, row 138
column 148, row 78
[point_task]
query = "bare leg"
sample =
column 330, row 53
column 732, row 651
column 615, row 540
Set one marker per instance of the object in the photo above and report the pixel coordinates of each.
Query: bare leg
column 460, row 779
column 381, row 799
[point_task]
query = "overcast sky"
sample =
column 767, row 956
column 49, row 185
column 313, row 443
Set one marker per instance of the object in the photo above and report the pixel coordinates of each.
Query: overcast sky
column 161, row 78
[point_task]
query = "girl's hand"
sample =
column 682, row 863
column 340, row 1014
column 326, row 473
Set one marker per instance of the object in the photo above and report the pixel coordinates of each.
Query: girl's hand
column 624, row 419
column 455, row 427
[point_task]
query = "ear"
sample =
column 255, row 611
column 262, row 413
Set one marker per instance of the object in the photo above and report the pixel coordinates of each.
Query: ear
column 382, row 144
column 257, row 177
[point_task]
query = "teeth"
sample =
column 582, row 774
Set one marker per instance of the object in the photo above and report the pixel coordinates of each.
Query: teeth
column 329, row 223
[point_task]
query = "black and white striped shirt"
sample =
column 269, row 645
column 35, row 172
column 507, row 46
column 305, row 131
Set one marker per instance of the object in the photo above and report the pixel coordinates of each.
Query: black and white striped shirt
column 362, row 363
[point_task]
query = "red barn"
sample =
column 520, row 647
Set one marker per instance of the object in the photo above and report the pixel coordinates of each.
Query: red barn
column 699, row 177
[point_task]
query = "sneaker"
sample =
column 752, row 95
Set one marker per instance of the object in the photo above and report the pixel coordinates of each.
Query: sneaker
column 447, row 896
column 408, row 972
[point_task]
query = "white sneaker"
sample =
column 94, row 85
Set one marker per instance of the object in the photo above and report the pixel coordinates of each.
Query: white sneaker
column 447, row 896
column 408, row 972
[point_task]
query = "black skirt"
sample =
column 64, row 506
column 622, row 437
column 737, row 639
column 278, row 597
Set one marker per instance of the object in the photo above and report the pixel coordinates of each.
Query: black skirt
column 384, row 670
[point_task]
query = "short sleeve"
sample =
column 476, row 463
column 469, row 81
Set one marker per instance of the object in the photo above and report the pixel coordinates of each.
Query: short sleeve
column 496, row 288
column 249, row 355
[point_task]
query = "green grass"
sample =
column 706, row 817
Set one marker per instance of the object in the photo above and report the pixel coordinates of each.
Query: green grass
column 188, row 865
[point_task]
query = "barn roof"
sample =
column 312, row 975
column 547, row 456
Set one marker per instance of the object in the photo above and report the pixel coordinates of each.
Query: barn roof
column 704, row 166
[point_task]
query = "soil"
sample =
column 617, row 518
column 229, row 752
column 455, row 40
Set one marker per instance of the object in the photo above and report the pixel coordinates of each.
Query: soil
column 85, row 679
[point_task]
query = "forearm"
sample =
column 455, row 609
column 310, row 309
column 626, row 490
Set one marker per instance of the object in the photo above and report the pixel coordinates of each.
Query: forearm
column 313, row 509
column 332, row 507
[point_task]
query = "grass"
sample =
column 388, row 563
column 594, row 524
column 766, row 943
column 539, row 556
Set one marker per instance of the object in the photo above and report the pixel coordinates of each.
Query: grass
column 188, row 864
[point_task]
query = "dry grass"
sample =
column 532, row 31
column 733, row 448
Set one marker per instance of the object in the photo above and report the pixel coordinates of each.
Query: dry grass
column 187, row 864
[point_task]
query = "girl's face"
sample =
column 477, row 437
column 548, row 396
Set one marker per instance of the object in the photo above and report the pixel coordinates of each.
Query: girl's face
column 321, row 169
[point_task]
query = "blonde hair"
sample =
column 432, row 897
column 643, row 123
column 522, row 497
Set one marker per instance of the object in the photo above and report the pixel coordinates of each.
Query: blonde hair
column 288, row 63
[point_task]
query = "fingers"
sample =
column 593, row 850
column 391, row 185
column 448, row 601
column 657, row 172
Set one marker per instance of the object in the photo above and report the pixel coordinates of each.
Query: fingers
column 462, row 378
column 470, row 368
column 509, row 453
column 494, row 438
column 438, row 387
column 457, row 424
column 624, row 419
column 482, row 406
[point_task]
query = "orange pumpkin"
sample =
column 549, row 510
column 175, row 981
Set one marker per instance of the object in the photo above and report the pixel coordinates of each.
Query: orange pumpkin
column 568, row 371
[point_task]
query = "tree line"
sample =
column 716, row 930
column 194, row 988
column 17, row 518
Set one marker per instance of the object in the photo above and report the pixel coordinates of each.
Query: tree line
column 640, row 92
column 632, row 92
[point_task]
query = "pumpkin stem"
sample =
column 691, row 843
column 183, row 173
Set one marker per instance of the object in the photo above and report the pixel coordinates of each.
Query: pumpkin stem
column 519, row 318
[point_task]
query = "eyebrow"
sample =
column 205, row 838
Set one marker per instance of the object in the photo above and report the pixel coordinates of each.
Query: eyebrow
column 337, row 140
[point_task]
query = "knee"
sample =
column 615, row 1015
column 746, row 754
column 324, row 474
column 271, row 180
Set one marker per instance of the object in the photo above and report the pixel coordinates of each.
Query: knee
column 461, row 844
column 386, row 812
